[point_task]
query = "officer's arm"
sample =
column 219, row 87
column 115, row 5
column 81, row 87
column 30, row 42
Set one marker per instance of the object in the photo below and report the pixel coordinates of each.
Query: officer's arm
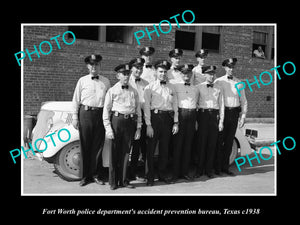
column 175, row 105
column 244, row 104
column 138, row 110
column 76, row 100
column 106, row 114
column 221, row 106
column 147, row 112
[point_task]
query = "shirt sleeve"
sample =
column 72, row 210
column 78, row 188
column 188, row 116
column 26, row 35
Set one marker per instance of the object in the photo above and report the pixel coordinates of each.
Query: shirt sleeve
column 244, row 104
column 175, row 105
column 147, row 105
column 138, row 110
column 76, row 99
column 221, row 105
column 106, row 112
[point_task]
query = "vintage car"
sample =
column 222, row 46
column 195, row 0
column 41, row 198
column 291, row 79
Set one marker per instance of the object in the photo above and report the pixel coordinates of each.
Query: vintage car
column 55, row 115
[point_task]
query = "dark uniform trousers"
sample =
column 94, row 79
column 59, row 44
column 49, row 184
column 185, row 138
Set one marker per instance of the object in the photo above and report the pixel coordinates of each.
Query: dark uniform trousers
column 207, row 139
column 138, row 146
column 183, row 142
column 226, row 137
column 124, row 129
column 92, row 136
column 162, row 123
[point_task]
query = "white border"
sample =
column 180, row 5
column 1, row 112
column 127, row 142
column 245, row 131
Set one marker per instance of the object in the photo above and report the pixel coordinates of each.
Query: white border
column 151, row 24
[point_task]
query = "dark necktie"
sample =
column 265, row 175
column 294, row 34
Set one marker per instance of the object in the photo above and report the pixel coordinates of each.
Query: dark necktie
column 163, row 82
column 95, row 77
column 124, row 86
column 209, row 85
column 137, row 79
column 148, row 66
column 230, row 77
column 188, row 84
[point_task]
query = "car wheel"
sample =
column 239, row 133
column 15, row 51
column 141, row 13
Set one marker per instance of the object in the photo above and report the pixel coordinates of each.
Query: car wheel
column 67, row 162
column 234, row 152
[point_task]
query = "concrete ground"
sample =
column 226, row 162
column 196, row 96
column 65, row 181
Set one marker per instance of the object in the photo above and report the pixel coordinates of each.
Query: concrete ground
column 40, row 178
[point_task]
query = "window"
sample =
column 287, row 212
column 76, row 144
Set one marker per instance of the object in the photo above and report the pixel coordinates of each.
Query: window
column 117, row 34
column 211, row 38
column 259, row 44
column 85, row 32
column 263, row 42
column 185, row 40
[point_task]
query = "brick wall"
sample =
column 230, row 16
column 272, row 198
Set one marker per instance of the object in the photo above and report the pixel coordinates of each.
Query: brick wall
column 53, row 77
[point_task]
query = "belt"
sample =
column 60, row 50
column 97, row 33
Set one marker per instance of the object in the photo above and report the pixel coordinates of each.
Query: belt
column 233, row 108
column 208, row 110
column 186, row 110
column 87, row 108
column 157, row 111
column 125, row 116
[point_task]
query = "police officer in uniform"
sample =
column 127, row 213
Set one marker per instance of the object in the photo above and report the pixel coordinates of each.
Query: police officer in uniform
column 138, row 146
column 88, row 101
column 122, row 122
column 161, row 117
column 188, row 96
column 211, row 116
column 198, row 76
column 174, row 75
column 235, row 112
column 148, row 69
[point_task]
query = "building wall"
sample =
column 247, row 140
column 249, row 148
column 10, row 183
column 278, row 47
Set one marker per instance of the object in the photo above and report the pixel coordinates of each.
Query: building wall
column 53, row 77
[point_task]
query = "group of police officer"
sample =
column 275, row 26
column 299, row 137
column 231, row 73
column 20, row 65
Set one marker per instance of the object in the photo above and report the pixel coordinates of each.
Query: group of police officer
column 182, row 109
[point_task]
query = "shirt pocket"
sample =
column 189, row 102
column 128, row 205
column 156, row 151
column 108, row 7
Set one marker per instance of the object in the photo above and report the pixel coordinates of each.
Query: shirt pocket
column 88, row 90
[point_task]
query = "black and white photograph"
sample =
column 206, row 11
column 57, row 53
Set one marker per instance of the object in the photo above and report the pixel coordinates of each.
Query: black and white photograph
column 107, row 112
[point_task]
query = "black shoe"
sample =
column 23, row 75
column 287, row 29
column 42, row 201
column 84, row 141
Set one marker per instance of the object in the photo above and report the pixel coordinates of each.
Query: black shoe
column 187, row 177
column 127, row 185
column 150, row 183
column 113, row 187
column 210, row 175
column 99, row 181
column 197, row 175
column 85, row 181
column 167, row 180
column 228, row 172
column 217, row 172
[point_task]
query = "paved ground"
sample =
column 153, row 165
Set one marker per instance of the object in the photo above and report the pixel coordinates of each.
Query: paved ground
column 40, row 178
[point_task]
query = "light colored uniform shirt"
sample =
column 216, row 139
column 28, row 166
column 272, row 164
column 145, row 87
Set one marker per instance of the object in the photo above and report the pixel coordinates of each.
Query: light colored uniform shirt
column 197, row 77
column 139, row 86
column 148, row 74
column 187, row 96
column 89, row 92
column 231, row 96
column 211, row 98
column 161, row 97
column 125, row 101
column 174, row 76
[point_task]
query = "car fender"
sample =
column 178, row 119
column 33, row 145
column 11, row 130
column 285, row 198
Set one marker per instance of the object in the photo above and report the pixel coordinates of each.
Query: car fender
column 51, row 149
column 245, row 147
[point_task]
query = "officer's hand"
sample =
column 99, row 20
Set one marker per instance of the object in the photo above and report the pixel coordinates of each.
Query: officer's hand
column 75, row 123
column 241, row 122
column 150, row 131
column 110, row 135
column 221, row 126
column 137, row 134
column 175, row 128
